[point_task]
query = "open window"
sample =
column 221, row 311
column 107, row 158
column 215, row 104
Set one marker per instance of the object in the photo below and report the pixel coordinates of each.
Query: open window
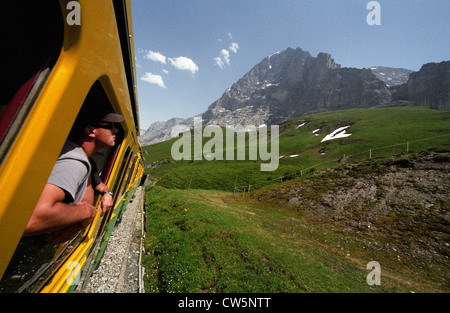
column 35, row 259
column 98, row 101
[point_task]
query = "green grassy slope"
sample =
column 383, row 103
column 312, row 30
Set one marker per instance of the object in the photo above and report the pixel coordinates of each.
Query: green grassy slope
column 208, row 241
column 212, row 241
column 374, row 132
column 290, row 234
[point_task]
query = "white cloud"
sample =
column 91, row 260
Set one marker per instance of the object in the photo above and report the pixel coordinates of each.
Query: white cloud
column 219, row 62
column 234, row 47
column 225, row 55
column 183, row 63
column 165, row 71
column 156, row 56
column 153, row 79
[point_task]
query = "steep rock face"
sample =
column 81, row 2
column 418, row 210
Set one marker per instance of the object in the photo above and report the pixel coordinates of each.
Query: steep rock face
column 256, row 96
column 430, row 86
column 292, row 83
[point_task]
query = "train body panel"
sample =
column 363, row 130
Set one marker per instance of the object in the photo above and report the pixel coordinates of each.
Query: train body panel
column 93, row 64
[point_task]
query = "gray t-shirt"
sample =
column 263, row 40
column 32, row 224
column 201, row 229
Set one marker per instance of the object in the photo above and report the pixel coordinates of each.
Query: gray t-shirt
column 71, row 172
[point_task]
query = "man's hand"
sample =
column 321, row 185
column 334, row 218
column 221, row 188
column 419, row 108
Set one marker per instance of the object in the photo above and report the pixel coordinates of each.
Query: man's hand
column 89, row 212
column 106, row 203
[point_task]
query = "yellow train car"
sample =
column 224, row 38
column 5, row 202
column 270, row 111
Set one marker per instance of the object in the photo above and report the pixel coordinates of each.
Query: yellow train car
column 62, row 57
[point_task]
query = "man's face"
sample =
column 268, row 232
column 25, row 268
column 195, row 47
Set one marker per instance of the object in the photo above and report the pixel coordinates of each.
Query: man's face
column 105, row 134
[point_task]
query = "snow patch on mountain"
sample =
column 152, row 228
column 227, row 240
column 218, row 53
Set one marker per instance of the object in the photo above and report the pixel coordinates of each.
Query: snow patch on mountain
column 338, row 133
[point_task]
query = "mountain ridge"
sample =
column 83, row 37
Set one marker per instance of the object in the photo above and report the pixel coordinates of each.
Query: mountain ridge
column 292, row 83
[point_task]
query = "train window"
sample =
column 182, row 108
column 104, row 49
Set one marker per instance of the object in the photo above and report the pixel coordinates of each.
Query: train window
column 32, row 39
column 97, row 99
column 35, row 259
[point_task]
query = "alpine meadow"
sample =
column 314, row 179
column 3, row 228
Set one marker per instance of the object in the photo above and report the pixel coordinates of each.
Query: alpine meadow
column 375, row 191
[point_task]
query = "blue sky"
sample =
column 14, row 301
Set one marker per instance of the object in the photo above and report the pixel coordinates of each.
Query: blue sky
column 188, row 52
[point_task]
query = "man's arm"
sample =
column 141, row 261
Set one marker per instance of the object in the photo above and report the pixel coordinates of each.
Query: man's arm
column 89, row 193
column 106, row 202
column 52, row 214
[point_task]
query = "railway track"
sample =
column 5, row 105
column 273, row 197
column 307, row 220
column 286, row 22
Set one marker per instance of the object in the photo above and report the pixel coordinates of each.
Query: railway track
column 120, row 269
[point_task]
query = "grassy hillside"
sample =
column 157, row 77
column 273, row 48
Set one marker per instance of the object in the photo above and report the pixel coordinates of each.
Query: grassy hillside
column 374, row 132
column 206, row 241
column 316, row 229
column 307, row 235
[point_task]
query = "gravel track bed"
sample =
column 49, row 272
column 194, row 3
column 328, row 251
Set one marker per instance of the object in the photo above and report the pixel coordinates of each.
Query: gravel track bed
column 119, row 270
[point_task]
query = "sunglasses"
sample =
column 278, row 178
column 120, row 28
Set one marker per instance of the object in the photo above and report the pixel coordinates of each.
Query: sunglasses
column 106, row 125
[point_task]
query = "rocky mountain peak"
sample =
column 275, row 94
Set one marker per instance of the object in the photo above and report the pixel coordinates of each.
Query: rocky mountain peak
column 292, row 83
column 325, row 60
